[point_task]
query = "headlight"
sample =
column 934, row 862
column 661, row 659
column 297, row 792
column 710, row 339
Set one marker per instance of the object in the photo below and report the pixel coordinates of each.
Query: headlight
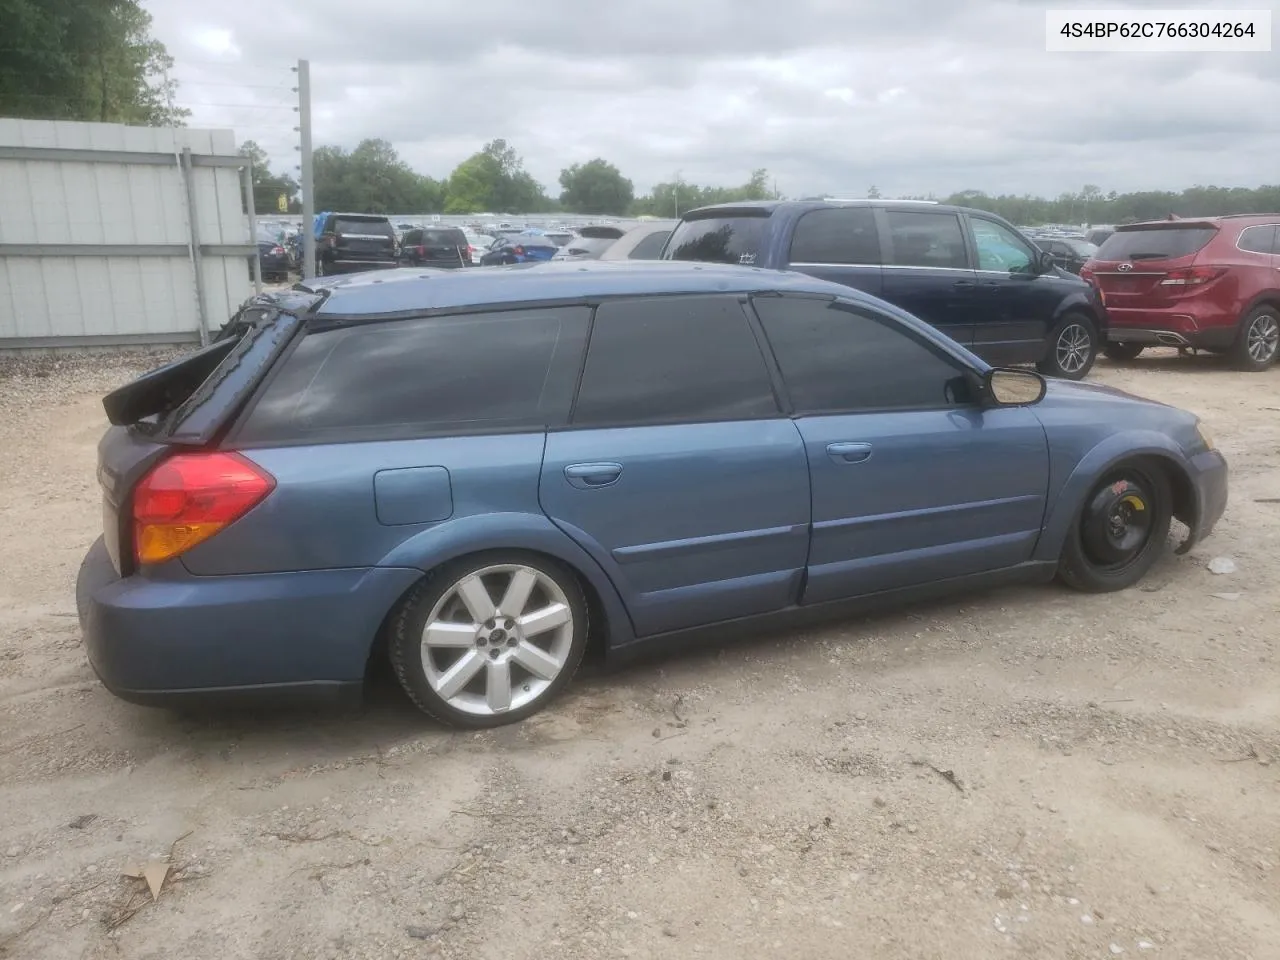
column 1205, row 436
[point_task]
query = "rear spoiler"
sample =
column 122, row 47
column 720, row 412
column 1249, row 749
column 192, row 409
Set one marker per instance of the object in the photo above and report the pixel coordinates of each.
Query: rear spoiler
column 165, row 388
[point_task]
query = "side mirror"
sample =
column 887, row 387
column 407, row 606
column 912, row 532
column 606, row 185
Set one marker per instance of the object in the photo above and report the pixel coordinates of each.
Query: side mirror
column 1014, row 388
column 1044, row 262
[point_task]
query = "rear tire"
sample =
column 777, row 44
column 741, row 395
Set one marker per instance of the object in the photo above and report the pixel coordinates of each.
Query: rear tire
column 1073, row 347
column 466, row 660
column 1120, row 529
column 1258, row 343
column 1123, row 352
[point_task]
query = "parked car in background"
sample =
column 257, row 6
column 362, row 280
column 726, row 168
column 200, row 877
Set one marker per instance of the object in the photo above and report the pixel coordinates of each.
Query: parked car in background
column 644, row 241
column 662, row 448
column 591, row 241
column 1098, row 235
column 519, row 248
column 1068, row 253
column 561, row 237
column 350, row 242
column 444, row 247
column 968, row 273
column 273, row 259
column 479, row 244
column 1210, row 284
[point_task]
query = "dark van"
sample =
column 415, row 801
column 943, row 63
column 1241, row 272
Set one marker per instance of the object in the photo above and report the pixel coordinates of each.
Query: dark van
column 444, row 247
column 968, row 273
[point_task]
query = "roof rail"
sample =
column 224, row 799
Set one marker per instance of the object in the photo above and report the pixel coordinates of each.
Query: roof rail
column 874, row 200
column 1232, row 216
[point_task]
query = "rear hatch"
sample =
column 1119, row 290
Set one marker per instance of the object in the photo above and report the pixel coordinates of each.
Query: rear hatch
column 363, row 238
column 444, row 247
column 1148, row 265
column 720, row 235
column 184, row 405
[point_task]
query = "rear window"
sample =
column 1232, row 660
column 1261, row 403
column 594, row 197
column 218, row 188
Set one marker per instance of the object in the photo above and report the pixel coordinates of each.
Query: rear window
column 443, row 238
column 588, row 246
column 728, row 239
column 354, row 226
column 1155, row 243
column 488, row 371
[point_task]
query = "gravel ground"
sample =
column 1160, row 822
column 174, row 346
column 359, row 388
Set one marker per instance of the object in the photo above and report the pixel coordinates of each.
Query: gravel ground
column 1029, row 772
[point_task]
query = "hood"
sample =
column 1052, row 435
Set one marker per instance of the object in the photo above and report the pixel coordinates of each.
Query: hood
column 1078, row 390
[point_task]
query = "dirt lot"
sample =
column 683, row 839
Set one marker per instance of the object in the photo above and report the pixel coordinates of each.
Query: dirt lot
column 1026, row 773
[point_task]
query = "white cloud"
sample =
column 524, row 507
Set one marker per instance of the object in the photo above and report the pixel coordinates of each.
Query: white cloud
column 915, row 97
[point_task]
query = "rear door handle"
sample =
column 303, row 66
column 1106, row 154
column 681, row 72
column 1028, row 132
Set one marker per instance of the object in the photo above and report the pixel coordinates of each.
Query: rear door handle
column 586, row 476
column 961, row 284
column 849, row 452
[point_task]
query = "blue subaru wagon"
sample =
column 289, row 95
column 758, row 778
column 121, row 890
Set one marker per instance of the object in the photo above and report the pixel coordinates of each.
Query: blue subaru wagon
column 483, row 469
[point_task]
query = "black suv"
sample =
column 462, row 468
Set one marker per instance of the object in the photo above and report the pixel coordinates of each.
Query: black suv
column 350, row 242
column 966, row 272
column 444, row 247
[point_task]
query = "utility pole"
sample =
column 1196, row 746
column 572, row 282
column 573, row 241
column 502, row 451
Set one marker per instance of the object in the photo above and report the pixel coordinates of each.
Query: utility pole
column 308, row 182
column 677, row 193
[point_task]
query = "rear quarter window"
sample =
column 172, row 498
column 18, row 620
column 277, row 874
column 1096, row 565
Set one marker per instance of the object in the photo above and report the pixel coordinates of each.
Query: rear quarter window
column 837, row 235
column 472, row 373
column 1155, row 243
column 729, row 239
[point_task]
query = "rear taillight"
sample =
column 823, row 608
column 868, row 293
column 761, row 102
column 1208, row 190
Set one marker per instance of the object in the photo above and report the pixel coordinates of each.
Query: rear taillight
column 277, row 251
column 422, row 251
column 518, row 251
column 189, row 497
column 1086, row 273
column 1191, row 276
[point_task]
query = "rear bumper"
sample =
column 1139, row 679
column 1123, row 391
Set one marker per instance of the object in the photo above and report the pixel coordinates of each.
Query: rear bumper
column 1209, row 474
column 1177, row 326
column 191, row 639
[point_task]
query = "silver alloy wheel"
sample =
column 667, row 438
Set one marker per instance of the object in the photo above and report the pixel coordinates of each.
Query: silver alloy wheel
column 1262, row 338
column 487, row 657
column 1073, row 348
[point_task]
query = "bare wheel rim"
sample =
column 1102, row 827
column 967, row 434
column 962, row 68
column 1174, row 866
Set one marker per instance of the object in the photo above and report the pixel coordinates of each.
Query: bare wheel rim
column 1073, row 348
column 497, row 639
column 1263, row 338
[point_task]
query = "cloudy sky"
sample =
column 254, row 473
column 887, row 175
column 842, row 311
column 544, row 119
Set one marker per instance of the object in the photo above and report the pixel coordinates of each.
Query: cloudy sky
column 914, row 96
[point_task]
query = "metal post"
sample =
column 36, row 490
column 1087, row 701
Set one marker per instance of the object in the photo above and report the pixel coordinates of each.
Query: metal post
column 308, row 184
column 246, row 178
column 197, row 262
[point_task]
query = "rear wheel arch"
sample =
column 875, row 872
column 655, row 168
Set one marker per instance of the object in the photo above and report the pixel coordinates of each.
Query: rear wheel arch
column 535, row 535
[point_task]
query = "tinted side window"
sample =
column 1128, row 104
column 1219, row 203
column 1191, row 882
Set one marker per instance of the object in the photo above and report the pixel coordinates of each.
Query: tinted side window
column 667, row 359
column 1000, row 249
column 845, row 235
column 1258, row 239
column 490, row 371
column 412, row 238
column 835, row 357
column 926, row 239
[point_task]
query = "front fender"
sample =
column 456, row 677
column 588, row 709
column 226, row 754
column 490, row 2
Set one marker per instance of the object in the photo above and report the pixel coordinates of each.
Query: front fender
column 1095, row 464
column 513, row 531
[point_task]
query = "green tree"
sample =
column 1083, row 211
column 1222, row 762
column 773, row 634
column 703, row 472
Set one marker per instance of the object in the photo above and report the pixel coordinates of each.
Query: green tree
column 372, row 179
column 596, row 186
column 667, row 198
column 267, row 186
column 84, row 60
column 494, row 180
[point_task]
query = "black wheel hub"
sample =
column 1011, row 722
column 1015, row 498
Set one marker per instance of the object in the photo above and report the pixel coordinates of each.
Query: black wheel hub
column 1117, row 522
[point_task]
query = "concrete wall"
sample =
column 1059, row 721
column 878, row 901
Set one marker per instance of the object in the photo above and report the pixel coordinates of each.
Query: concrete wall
column 96, row 245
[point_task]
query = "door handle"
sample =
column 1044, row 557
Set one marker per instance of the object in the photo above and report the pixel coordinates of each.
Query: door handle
column 849, row 452
column 963, row 284
column 585, row 476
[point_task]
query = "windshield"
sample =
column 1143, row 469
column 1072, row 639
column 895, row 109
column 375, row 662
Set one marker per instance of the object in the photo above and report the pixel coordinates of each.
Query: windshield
column 731, row 239
column 1155, row 243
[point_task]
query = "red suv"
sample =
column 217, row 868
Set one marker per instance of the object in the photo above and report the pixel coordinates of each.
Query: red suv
column 1211, row 283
